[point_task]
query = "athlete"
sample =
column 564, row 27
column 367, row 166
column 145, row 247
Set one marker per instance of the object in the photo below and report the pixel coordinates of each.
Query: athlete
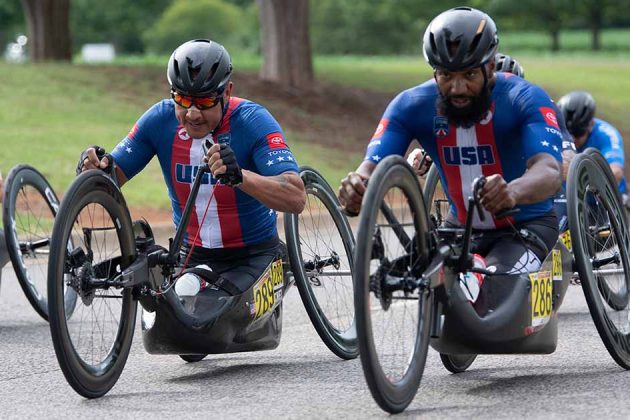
column 252, row 175
column 578, row 109
column 472, row 121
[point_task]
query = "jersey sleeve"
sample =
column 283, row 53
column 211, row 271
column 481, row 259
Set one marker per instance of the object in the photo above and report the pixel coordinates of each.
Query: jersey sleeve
column 391, row 136
column 271, row 154
column 610, row 143
column 135, row 151
column 567, row 138
column 540, row 130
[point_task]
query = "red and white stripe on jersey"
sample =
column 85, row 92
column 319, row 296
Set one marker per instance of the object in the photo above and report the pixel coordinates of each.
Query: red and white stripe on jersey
column 459, row 178
column 221, row 227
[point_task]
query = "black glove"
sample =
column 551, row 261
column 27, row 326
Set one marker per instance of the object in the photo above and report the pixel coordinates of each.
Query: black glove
column 233, row 175
column 100, row 154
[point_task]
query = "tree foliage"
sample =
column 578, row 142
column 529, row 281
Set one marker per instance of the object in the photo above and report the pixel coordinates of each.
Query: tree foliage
column 189, row 19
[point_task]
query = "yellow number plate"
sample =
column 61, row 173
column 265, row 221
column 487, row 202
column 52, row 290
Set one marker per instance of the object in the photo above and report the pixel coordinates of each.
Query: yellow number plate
column 268, row 290
column 542, row 289
column 556, row 267
column 565, row 237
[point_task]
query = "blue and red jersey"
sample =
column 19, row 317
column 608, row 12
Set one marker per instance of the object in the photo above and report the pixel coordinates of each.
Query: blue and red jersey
column 234, row 219
column 606, row 138
column 521, row 123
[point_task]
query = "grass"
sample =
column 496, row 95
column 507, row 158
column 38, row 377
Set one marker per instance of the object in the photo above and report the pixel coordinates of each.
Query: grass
column 50, row 112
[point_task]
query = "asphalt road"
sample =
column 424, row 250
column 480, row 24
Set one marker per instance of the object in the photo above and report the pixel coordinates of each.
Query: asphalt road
column 303, row 379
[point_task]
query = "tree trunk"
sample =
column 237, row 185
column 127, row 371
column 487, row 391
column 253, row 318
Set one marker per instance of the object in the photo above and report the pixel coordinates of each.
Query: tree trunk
column 555, row 40
column 596, row 22
column 286, row 45
column 48, row 24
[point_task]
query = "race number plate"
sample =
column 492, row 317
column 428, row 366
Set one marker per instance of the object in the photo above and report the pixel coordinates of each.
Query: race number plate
column 541, row 288
column 268, row 290
column 565, row 237
column 556, row 266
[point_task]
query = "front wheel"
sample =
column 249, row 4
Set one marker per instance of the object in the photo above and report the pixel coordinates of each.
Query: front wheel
column 601, row 245
column 457, row 363
column 320, row 246
column 393, row 304
column 92, row 242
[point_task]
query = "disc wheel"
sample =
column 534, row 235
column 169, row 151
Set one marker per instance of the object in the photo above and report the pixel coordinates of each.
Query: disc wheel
column 600, row 239
column 393, row 304
column 320, row 246
column 92, row 346
column 457, row 363
column 29, row 208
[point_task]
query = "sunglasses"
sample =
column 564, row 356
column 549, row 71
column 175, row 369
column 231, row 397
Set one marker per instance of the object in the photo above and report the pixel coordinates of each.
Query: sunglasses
column 200, row 103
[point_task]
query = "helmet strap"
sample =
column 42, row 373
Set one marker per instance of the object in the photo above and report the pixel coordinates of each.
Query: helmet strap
column 224, row 107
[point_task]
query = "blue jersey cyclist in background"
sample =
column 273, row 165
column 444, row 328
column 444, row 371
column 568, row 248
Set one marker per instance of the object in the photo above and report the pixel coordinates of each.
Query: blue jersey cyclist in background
column 578, row 109
column 473, row 121
column 253, row 173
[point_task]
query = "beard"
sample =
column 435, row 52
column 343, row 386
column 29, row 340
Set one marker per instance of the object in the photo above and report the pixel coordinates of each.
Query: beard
column 469, row 115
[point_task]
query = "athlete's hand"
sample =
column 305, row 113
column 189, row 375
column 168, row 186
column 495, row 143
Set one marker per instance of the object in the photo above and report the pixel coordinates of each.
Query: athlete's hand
column 419, row 161
column 496, row 194
column 351, row 193
column 94, row 157
column 223, row 165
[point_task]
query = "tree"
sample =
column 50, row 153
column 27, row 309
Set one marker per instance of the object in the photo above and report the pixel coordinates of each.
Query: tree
column 48, row 23
column 11, row 21
column 286, row 46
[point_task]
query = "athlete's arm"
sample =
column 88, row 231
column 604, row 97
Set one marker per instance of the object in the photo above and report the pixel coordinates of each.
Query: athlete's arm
column 541, row 180
column 284, row 192
column 353, row 187
column 617, row 171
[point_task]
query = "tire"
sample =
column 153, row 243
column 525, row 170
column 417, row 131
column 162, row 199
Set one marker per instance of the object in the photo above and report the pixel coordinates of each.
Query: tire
column 192, row 358
column 94, row 217
column 29, row 209
column 457, row 363
column 322, row 233
column 435, row 196
column 615, row 300
column 589, row 191
column 392, row 242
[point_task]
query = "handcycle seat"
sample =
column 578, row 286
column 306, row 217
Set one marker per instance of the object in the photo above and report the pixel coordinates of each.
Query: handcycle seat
column 249, row 321
column 511, row 314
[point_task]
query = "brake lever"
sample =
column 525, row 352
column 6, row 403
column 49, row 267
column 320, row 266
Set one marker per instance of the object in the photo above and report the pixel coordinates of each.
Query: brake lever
column 478, row 185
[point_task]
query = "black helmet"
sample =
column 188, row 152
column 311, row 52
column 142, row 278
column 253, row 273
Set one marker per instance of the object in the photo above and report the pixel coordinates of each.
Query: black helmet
column 507, row 64
column 199, row 67
column 578, row 109
column 459, row 39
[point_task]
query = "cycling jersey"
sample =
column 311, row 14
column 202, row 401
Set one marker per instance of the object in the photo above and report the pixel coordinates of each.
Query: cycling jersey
column 234, row 218
column 605, row 138
column 521, row 123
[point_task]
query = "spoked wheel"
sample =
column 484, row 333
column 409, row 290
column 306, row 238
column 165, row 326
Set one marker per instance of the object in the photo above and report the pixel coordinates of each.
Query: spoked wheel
column 392, row 302
column 91, row 346
column 320, row 246
column 29, row 209
column 599, row 234
column 192, row 358
column 457, row 363
column 434, row 196
column 615, row 300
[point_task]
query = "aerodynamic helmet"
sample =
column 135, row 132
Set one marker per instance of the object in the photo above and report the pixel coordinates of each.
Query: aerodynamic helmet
column 507, row 64
column 578, row 109
column 199, row 67
column 460, row 39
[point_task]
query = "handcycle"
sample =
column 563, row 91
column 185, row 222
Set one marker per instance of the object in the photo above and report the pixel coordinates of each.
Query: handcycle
column 408, row 294
column 29, row 207
column 113, row 263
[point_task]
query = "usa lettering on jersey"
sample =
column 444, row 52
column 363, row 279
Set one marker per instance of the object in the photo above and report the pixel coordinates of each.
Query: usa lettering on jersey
column 468, row 155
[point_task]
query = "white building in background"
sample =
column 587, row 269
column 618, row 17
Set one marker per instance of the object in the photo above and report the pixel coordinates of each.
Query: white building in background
column 98, row 53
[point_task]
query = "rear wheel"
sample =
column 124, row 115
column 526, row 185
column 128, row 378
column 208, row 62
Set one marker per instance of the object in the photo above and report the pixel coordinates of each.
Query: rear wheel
column 457, row 363
column 29, row 209
column 92, row 346
column 320, row 246
column 393, row 304
column 601, row 243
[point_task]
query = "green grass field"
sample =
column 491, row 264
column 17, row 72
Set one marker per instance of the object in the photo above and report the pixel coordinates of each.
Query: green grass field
column 50, row 112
